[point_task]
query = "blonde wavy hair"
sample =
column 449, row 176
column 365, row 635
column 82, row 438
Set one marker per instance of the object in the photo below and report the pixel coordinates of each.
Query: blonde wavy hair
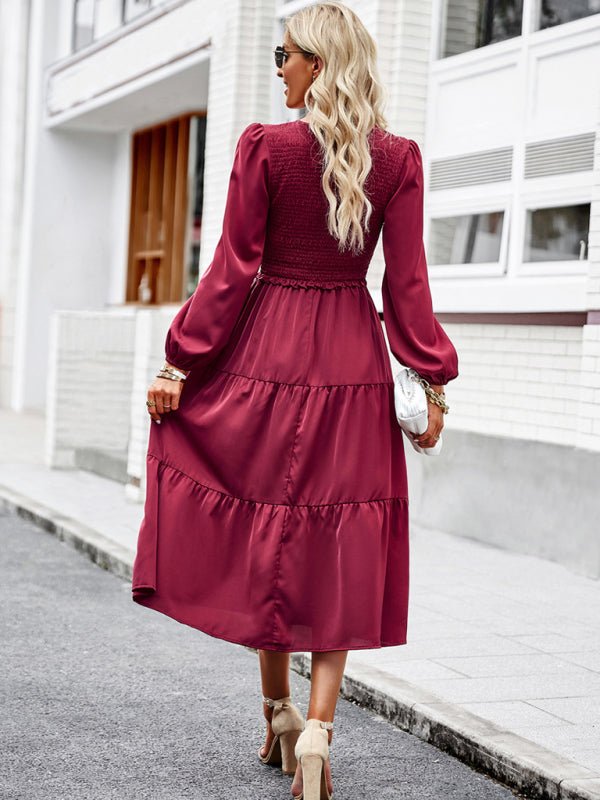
column 345, row 100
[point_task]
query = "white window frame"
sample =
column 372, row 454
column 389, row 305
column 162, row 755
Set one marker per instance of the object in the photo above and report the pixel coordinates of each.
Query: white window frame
column 479, row 269
column 566, row 267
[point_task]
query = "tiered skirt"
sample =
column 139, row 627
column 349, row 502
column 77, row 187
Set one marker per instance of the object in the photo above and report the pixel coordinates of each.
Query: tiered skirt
column 276, row 511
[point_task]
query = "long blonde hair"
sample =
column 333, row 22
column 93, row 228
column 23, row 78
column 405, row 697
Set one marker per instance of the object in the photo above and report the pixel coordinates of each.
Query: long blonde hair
column 345, row 100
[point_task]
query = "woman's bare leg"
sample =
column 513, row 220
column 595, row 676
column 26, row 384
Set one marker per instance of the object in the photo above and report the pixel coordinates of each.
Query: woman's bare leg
column 327, row 671
column 275, row 681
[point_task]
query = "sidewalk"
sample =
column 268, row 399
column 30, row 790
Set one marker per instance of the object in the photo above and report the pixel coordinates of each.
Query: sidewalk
column 502, row 667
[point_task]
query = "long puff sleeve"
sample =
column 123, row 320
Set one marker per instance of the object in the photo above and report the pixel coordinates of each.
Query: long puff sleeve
column 415, row 336
column 203, row 324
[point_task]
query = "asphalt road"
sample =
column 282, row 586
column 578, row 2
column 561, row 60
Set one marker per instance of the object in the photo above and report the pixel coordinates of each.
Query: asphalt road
column 102, row 698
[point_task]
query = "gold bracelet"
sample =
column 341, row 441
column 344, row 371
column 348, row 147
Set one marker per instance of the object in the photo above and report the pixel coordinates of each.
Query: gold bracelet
column 435, row 397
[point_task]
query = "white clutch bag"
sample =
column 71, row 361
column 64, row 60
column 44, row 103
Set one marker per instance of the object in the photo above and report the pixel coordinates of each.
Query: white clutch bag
column 410, row 403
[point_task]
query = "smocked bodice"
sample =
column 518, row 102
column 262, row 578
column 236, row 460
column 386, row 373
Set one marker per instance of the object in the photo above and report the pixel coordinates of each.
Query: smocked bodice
column 275, row 231
column 298, row 243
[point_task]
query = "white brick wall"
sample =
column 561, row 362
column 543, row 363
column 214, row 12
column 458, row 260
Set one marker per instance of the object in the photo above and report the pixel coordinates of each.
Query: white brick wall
column 403, row 33
column 150, row 332
column 90, row 382
column 101, row 364
column 241, row 43
column 517, row 380
column 589, row 409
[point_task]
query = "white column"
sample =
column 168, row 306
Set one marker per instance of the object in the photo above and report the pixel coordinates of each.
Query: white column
column 14, row 22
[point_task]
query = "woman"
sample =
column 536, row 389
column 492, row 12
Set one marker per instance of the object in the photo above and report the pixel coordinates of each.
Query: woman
column 276, row 511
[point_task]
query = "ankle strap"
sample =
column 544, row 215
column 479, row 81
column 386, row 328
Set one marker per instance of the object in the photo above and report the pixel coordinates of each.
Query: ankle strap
column 283, row 701
column 327, row 725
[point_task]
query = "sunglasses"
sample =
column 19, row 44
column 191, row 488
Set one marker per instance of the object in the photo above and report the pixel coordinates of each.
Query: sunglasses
column 281, row 55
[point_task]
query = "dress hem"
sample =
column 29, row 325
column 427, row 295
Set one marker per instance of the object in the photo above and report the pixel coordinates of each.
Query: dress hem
column 246, row 643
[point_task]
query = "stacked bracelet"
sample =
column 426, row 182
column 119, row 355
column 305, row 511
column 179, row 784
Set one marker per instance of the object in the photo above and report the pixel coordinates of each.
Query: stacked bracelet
column 439, row 398
column 171, row 373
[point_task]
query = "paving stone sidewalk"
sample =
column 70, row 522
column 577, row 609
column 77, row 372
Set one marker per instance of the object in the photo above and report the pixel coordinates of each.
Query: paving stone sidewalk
column 502, row 667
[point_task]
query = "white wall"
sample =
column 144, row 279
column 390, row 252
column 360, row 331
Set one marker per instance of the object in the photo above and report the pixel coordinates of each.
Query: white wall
column 66, row 254
column 118, row 218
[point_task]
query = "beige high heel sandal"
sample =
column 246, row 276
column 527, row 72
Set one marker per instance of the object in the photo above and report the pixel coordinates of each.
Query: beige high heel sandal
column 312, row 751
column 287, row 724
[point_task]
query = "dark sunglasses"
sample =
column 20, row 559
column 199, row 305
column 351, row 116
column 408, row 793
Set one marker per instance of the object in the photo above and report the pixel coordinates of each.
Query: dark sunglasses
column 281, row 54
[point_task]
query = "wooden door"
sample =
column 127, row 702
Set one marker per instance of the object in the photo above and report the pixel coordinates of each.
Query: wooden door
column 158, row 212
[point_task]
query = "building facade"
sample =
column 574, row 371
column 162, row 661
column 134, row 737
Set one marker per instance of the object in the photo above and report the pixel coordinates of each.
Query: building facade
column 118, row 123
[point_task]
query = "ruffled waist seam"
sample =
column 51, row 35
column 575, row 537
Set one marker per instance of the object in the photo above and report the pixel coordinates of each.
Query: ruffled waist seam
column 312, row 282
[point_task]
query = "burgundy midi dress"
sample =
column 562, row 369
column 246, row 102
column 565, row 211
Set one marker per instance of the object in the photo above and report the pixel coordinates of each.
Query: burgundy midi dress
column 276, row 510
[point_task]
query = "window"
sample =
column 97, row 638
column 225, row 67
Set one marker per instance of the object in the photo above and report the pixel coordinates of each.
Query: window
column 469, row 239
column 557, row 12
column 93, row 19
column 557, row 234
column 165, row 211
column 83, row 23
column 471, row 24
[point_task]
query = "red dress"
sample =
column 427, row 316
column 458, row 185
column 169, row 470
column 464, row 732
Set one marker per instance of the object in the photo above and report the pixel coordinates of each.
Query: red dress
column 276, row 512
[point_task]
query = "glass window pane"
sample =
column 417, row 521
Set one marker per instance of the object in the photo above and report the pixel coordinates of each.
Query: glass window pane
column 133, row 8
column 83, row 23
column 557, row 234
column 196, row 198
column 557, row 12
column 468, row 239
column 108, row 16
column 475, row 23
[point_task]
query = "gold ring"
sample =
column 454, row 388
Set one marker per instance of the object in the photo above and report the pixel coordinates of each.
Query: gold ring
column 150, row 403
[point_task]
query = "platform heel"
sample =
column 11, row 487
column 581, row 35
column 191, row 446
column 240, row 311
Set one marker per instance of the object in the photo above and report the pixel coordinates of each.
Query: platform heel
column 287, row 724
column 312, row 751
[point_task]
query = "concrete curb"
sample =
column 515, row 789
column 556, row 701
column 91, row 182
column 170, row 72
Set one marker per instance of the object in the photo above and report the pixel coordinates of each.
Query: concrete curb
column 102, row 551
column 518, row 763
